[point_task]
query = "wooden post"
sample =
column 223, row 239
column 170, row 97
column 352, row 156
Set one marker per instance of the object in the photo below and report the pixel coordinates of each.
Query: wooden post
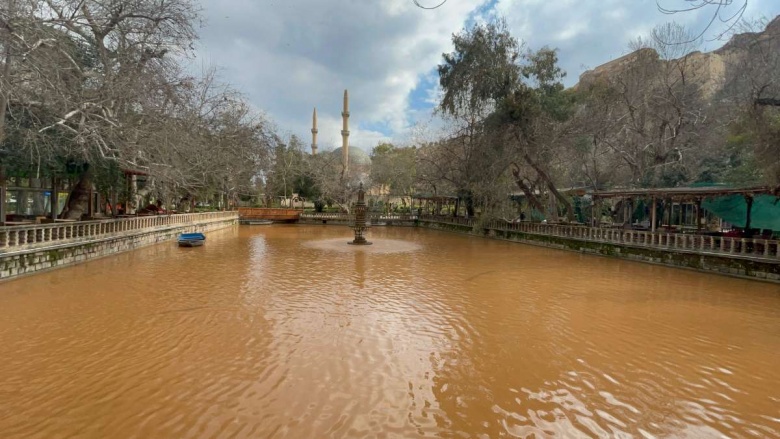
column 669, row 211
column 682, row 214
column 54, row 202
column 630, row 211
column 698, row 213
column 21, row 197
column 749, row 201
column 91, row 207
column 653, row 215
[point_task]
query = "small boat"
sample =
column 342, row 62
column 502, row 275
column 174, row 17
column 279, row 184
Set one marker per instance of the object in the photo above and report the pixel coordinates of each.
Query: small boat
column 192, row 239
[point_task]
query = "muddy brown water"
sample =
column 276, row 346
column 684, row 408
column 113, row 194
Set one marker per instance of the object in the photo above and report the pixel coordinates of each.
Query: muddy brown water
column 285, row 331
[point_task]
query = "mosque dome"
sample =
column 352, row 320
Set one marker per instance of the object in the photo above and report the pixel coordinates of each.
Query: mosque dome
column 356, row 155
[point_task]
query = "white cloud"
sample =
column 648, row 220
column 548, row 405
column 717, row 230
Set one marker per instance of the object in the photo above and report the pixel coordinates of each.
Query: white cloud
column 289, row 56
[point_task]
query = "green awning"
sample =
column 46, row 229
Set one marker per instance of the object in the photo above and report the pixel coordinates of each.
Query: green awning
column 765, row 213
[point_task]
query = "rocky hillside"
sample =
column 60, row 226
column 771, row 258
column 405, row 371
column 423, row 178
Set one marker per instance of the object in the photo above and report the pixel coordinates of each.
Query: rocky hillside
column 707, row 69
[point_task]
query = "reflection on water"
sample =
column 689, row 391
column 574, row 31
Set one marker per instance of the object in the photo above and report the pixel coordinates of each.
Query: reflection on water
column 276, row 331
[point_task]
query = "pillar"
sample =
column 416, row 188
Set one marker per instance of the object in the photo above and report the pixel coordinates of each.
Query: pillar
column 698, row 214
column 669, row 211
column 749, row 201
column 653, row 214
column 345, row 132
column 3, row 195
column 91, row 207
column 54, row 202
column 629, row 211
column 314, row 132
column 21, row 197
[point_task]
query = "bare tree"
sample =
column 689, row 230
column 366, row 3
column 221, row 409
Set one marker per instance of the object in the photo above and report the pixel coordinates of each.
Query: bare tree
column 750, row 99
column 655, row 100
column 723, row 12
column 99, row 81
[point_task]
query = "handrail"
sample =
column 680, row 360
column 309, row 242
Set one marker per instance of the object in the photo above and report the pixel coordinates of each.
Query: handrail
column 39, row 235
column 703, row 244
column 347, row 217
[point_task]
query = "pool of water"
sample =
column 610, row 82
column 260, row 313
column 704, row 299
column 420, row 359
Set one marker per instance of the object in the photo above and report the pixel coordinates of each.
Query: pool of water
column 286, row 331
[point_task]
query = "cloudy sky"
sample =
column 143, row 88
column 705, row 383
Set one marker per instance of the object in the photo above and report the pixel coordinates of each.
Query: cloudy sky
column 289, row 56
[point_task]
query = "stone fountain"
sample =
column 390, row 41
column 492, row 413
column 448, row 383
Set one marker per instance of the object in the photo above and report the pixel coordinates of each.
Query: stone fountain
column 361, row 224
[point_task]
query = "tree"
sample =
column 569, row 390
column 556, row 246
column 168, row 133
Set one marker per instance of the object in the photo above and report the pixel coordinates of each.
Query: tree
column 727, row 12
column 752, row 88
column 533, row 117
column 334, row 186
column 394, row 168
column 656, row 98
column 288, row 166
column 99, row 83
column 482, row 70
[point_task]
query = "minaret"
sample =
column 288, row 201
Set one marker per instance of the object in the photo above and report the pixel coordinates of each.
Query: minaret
column 314, row 132
column 345, row 133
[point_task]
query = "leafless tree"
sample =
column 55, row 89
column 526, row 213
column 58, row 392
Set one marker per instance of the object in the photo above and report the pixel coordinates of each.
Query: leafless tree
column 100, row 81
column 723, row 12
column 751, row 94
column 655, row 100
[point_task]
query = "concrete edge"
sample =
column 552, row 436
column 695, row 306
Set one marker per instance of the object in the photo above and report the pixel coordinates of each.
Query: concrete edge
column 660, row 264
column 233, row 221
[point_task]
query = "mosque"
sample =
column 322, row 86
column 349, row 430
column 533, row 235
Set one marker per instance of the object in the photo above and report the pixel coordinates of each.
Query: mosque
column 355, row 156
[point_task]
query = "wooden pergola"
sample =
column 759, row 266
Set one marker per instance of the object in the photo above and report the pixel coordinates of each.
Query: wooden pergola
column 669, row 196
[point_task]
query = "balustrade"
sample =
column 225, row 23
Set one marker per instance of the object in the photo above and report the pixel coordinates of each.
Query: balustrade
column 17, row 237
column 747, row 247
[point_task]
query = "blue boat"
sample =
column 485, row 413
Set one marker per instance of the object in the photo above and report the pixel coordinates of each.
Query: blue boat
column 191, row 239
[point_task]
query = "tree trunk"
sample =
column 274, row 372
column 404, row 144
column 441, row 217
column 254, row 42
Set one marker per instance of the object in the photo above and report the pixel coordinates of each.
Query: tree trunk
column 532, row 199
column 5, row 76
column 561, row 199
column 78, row 199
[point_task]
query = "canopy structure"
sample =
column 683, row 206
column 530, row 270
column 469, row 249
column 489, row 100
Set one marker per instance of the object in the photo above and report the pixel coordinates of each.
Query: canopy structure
column 764, row 212
column 755, row 207
column 683, row 193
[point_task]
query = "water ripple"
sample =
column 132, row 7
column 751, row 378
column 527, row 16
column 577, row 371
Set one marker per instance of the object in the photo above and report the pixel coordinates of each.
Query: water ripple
column 287, row 331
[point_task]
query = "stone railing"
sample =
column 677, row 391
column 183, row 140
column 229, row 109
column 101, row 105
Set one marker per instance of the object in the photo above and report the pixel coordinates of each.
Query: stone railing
column 40, row 235
column 375, row 217
column 720, row 245
column 325, row 216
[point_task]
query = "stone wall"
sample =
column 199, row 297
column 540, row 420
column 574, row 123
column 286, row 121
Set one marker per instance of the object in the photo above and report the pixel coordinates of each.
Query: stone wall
column 726, row 265
column 23, row 262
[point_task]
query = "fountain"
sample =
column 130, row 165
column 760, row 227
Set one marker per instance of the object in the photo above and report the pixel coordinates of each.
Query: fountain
column 360, row 225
